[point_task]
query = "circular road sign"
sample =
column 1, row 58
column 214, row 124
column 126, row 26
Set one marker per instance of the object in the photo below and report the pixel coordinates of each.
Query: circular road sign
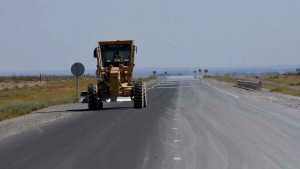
column 77, row 69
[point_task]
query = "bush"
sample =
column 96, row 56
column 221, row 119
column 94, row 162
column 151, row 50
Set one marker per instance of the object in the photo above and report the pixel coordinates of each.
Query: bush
column 278, row 89
column 295, row 84
column 286, row 90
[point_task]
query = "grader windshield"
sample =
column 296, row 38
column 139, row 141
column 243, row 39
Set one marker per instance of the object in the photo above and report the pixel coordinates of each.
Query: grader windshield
column 115, row 54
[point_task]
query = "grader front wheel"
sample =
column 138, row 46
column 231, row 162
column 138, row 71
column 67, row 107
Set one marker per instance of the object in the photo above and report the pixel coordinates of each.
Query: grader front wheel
column 94, row 103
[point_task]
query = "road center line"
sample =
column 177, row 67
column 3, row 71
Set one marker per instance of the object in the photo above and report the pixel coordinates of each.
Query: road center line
column 176, row 141
column 177, row 158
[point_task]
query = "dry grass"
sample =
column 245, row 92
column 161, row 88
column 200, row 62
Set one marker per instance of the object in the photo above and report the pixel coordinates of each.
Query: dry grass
column 286, row 84
column 286, row 90
column 289, row 80
column 20, row 101
column 17, row 101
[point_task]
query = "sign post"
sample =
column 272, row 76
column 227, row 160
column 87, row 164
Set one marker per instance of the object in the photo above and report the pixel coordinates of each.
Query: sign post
column 77, row 70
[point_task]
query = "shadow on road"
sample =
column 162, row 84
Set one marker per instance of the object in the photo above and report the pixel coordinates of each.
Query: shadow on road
column 104, row 108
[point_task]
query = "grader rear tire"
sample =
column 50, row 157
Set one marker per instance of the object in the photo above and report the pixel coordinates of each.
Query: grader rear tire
column 139, row 95
column 99, row 105
column 92, row 97
column 94, row 103
column 145, row 96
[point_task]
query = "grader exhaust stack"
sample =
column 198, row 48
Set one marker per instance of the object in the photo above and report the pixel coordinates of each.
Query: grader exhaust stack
column 115, row 63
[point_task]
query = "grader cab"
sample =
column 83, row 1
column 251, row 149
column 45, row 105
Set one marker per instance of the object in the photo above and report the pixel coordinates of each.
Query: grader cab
column 115, row 63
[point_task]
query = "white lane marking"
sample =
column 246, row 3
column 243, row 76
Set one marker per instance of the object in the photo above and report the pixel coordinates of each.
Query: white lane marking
column 170, row 87
column 163, row 85
column 173, row 87
column 174, row 128
column 150, row 88
column 187, row 86
column 177, row 158
column 176, row 141
column 166, row 84
column 227, row 93
column 223, row 91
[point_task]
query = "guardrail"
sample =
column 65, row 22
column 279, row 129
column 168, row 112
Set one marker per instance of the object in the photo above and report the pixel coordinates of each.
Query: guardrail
column 246, row 84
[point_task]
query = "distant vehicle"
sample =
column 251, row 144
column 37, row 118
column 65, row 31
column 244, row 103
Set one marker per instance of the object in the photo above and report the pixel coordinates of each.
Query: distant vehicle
column 115, row 62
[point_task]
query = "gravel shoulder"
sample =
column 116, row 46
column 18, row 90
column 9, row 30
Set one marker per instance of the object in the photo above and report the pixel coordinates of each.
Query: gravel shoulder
column 264, row 94
column 38, row 119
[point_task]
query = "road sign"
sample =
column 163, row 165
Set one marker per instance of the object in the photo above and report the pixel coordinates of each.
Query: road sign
column 77, row 69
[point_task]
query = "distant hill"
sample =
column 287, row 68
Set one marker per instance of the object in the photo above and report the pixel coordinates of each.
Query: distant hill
column 142, row 72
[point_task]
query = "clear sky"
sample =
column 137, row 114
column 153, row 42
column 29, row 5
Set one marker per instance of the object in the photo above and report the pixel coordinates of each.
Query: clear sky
column 52, row 34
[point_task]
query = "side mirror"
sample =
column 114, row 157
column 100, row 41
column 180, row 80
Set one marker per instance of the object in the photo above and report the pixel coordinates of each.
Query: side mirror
column 96, row 52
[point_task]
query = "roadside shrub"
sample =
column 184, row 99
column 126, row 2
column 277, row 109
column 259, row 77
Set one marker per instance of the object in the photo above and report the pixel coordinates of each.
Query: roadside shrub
column 23, row 107
column 278, row 89
column 286, row 90
column 295, row 84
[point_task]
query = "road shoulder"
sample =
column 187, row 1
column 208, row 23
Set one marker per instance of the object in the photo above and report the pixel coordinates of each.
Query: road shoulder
column 44, row 117
column 38, row 118
column 264, row 95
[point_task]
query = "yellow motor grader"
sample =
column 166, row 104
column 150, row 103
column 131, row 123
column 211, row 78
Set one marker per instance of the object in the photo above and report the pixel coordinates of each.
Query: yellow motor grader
column 115, row 62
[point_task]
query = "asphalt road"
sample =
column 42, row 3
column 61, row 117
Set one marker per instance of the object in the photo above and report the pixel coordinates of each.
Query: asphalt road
column 188, row 125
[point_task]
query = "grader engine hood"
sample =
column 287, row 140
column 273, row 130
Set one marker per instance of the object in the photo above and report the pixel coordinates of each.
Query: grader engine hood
column 114, row 81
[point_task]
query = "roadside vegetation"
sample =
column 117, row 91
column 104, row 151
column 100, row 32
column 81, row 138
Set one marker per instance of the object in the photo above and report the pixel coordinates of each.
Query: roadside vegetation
column 22, row 95
column 24, row 99
column 285, row 84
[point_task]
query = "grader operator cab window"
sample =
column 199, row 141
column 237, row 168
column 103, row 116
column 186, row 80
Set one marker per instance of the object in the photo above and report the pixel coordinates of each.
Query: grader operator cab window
column 115, row 54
